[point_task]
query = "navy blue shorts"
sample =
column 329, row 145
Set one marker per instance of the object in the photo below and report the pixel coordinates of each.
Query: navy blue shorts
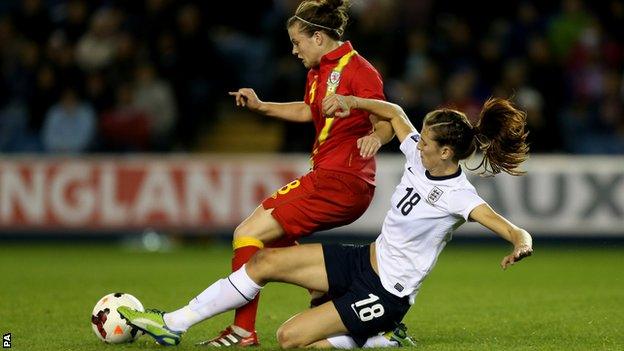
column 364, row 305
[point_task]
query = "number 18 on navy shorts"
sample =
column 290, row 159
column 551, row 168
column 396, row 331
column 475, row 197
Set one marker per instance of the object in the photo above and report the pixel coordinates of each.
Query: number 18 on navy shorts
column 364, row 305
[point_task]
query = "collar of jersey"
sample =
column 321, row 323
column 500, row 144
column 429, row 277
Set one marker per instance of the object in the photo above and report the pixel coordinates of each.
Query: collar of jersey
column 338, row 52
column 450, row 176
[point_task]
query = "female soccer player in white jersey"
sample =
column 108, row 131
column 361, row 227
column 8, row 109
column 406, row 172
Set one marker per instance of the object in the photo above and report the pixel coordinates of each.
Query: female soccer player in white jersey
column 373, row 286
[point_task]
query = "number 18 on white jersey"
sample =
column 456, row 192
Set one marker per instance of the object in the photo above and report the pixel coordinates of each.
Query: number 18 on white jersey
column 424, row 212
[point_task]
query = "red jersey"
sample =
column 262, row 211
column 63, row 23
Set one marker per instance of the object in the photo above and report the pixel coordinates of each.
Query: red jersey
column 335, row 148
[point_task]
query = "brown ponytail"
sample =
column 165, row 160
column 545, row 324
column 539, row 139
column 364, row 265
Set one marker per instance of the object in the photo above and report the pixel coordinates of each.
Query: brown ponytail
column 500, row 135
column 329, row 16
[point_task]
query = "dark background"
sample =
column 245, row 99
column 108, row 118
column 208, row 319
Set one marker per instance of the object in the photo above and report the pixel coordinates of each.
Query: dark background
column 153, row 75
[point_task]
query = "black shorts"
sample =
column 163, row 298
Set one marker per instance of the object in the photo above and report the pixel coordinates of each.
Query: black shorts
column 364, row 305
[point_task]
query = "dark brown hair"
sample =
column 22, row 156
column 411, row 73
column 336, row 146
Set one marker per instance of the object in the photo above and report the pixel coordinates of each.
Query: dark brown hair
column 499, row 135
column 329, row 16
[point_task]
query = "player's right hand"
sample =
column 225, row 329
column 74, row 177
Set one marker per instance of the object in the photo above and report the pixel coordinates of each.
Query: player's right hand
column 337, row 105
column 246, row 97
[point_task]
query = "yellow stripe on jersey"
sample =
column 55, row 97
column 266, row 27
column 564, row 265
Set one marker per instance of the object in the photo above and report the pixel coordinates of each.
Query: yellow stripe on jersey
column 332, row 85
column 325, row 132
column 247, row 241
column 313, row 90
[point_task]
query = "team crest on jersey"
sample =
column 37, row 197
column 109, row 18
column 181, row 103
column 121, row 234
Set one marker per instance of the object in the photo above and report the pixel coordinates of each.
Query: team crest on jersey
column 434, row 195
column 334, row 78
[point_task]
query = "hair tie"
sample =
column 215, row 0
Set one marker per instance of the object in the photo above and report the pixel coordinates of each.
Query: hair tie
column 318, row 25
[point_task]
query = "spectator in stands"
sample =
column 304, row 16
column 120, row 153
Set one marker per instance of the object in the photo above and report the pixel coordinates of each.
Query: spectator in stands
column 62, row 56
column 69, row 126
column 14, row 133
column 74, row 20
column 99, row 91
column 125, row 58
column 96, row 48
column 460, row 93
column 155, row 96
column 125, row 128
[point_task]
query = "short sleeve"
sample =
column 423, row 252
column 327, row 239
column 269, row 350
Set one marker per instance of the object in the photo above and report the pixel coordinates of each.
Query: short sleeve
column 409, row 147
column 309, row 82
column 367, row 83
column 463, row 201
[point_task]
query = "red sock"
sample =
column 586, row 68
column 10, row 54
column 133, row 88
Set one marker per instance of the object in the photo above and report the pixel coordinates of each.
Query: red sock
column 245, row 316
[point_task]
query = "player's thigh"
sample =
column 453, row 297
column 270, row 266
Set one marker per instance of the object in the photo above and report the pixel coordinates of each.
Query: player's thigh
column 311, row 326
column 260, row 225
column 302, row 265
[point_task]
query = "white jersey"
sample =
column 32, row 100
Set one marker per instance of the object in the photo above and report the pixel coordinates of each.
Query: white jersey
column 424, row 213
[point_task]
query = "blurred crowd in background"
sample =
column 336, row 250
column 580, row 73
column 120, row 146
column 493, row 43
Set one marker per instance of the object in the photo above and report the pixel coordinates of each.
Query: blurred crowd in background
column 150, row 75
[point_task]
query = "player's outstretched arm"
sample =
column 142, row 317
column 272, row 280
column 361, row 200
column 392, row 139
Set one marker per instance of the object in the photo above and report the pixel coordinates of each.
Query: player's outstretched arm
column 340, row 106
column 520, row 238
column 291, row 111
column 381, row 135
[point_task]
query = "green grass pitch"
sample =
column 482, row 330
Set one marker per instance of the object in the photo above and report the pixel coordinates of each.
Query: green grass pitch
column 563, row 298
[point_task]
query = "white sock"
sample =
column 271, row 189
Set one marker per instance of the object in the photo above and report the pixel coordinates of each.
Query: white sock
column 180, row 320
column 379, row 341
column 342, row 342
column 347, row 342
column 223, row 295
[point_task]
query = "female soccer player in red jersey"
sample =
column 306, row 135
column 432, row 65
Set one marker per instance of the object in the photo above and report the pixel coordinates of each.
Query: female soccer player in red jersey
column 341, row 183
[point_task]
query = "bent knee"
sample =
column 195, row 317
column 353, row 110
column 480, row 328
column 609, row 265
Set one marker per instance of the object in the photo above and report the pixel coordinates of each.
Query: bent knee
column 263, row 264
column 260, row 225
column 246, row 235
column 244, row 229
column 289, row 338
column 264, row 259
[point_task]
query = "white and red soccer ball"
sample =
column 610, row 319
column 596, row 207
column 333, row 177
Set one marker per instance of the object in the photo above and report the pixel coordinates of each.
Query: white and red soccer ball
column 108, row 324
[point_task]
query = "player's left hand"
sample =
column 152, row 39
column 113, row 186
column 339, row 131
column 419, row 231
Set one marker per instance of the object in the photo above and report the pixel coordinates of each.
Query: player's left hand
column 369, row 145
column 518, row 253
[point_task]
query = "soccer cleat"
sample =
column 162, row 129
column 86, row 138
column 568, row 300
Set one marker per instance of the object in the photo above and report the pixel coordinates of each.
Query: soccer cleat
column 151, row 322
column 399, row 335
column 233, row 336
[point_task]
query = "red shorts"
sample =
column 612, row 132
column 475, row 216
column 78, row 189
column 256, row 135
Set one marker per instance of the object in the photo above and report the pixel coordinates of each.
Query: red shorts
column 319, row 200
